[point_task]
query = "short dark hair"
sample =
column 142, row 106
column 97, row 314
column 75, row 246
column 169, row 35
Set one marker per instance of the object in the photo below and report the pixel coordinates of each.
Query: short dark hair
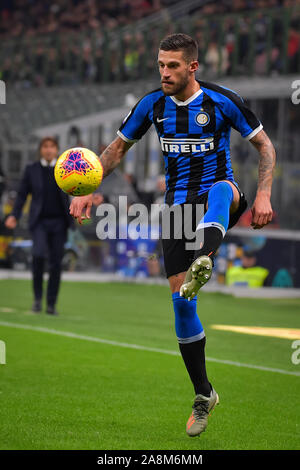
column 48, row 139
column 181, row 42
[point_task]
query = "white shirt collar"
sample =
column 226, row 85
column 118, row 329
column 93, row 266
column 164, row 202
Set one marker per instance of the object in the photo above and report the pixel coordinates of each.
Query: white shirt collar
column 189, row 100
column 46, row 163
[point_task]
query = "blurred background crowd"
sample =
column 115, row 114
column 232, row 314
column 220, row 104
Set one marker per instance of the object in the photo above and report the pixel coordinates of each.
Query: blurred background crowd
column 31, row 18
column 85, row 41
column 28, row 18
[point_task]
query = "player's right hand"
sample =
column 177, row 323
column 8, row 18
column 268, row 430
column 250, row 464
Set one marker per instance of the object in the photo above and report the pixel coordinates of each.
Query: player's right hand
column 80, row 207
column 11, row 222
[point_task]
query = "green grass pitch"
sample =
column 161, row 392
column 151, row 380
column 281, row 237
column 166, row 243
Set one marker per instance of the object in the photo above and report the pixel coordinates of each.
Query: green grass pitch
column 60, row 392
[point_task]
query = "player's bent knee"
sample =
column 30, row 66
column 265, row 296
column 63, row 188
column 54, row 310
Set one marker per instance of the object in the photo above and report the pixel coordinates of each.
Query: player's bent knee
column 236, row 195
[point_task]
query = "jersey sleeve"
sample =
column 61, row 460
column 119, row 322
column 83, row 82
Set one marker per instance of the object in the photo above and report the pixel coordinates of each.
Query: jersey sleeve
column 137, row 121
column 241, row 117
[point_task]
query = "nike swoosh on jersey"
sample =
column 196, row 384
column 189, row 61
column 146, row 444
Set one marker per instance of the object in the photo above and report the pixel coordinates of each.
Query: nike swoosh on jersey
column 160, row 120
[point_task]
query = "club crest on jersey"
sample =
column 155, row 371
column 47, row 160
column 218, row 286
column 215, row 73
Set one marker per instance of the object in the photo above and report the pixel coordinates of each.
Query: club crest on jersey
column 202, row 119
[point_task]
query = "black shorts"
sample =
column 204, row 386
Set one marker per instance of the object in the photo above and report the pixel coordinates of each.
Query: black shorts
column 177, row 258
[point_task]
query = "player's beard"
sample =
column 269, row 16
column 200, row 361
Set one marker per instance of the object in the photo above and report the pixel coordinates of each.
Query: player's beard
column 176, row 88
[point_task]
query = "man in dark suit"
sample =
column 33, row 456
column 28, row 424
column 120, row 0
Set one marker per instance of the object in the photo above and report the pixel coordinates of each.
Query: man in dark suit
column 49, row 220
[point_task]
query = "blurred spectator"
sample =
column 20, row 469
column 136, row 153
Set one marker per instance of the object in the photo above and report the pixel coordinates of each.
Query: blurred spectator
column 293, row 48
column 248, row 274
column 213, row 61
column 153, row 266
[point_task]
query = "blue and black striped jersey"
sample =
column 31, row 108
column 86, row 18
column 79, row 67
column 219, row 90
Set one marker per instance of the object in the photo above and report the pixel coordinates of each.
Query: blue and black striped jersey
column 194, row 136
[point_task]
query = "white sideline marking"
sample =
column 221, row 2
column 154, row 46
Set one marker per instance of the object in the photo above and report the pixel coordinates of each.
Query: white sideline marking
column 69, row 334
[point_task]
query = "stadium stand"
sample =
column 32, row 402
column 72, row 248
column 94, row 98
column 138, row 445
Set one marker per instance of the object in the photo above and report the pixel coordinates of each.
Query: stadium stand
column 97, row 44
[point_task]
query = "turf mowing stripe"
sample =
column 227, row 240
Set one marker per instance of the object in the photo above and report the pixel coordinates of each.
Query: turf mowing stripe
column 69, row 334
column 286, row 333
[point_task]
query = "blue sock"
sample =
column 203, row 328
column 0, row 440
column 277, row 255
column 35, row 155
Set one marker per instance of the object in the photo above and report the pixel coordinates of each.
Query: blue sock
column 187, row 324
column 220, row 197
column 191, row 339
column 215, row 222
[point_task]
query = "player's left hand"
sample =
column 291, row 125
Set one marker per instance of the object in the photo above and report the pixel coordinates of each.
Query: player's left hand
column 262, row 212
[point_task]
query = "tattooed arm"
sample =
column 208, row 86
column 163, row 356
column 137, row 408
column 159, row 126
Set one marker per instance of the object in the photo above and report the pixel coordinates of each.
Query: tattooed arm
column 113, row 154
column 110, row 159
column 262, row 210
